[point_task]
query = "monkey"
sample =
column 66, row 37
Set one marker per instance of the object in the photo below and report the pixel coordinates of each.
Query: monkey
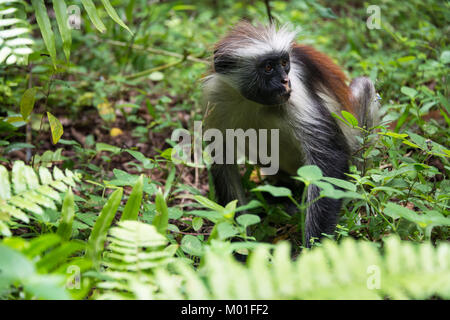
column 262, row 79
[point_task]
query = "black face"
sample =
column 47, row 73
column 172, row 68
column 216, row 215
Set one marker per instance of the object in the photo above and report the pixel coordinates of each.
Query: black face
column 269, row 84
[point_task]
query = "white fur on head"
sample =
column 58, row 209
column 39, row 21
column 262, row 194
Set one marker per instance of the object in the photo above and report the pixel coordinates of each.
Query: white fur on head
column 270, row 39
column 248, row 41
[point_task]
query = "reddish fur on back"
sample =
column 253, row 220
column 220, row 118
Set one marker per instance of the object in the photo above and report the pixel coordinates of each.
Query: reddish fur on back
column 330, row 74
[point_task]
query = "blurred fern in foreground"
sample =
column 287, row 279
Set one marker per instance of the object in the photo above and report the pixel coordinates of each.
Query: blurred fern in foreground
column 28, row 193
column 349, row 270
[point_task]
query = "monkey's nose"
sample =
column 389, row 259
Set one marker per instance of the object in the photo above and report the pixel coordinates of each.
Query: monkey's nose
column 286, row 84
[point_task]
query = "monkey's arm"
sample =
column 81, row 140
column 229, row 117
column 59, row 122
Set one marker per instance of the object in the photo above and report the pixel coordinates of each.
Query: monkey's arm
column 227, row 183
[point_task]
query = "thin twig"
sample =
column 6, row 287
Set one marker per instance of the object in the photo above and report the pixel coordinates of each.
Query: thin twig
column 148, row 71
column 269, row 14
column 157, row 51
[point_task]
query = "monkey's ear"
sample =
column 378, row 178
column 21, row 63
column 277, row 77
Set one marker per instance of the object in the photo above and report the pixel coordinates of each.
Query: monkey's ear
column 224, row 63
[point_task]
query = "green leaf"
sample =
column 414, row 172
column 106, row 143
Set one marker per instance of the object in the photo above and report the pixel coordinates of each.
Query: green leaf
column 99, row 231
column 45, row 27
column 14, row 265
column 67, row 215
column 161, row 220
column 394, row 134
column 246, row 220
column 197, row 223
column 209, row 204
column 432, row 218
column 93, row 15
column 27, row 103
column 341, row 183
column 226, row 230
column 17, row 146
column 445, row 57
column 274, row 191
column 100, row 146
column 230, row 209
column 60, row 8
column 310, row 173
column 350, row 118
column 156, row 76
column 192, row 245
column 131, row 210
column 410, row 92
column 113, row 14
column 55, row 127
column 59, row 255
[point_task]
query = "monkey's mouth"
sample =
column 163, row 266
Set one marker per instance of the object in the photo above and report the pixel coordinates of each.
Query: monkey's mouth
column 286, row 94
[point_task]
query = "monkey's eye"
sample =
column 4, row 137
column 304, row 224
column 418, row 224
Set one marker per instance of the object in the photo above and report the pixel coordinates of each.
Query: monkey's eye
column 268, row 68
column 284, row 63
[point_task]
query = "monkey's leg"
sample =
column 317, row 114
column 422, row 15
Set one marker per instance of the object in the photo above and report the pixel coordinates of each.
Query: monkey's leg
column 227, row 183
column 365, row 102
column 325, row 146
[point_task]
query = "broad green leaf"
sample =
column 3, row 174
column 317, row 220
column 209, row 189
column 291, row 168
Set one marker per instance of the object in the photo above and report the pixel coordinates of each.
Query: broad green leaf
column 410, row 92
column 27, row 102
column 310, row 173
column 99, row 231
column 67, row 215
column 93, row 15
column 209, row 204
column 156, row 76
column 341, row 183
column 161, row 220
column 432, row 218
column 192, row 245
column 14, row 265
column 350, row 118
column 230, row 209
column 197, row 223
column 39, row 245
column 251, row 205
column 226, row 230
column 100, row 146
column 55, row 127
column 113, row 14
column 445, row 57
column 59, row 255
column 45, row 27
column 246, row 220
column 274, row 191
column 131, row 210
column 61, row 18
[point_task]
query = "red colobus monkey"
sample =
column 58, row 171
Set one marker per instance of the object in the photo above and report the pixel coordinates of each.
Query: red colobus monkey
column 262, row 79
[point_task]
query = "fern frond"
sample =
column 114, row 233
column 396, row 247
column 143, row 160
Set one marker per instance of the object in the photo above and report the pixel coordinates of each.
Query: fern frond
column 28, row 192
column 14, row 35
column 135, row 250
column 140, row 266
column 350, row 270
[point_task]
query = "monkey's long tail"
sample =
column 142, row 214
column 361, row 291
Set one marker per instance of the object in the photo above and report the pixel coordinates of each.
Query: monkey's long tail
column 365, row 102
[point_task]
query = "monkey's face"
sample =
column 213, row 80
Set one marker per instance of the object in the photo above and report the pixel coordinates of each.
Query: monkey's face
column 268, row 83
